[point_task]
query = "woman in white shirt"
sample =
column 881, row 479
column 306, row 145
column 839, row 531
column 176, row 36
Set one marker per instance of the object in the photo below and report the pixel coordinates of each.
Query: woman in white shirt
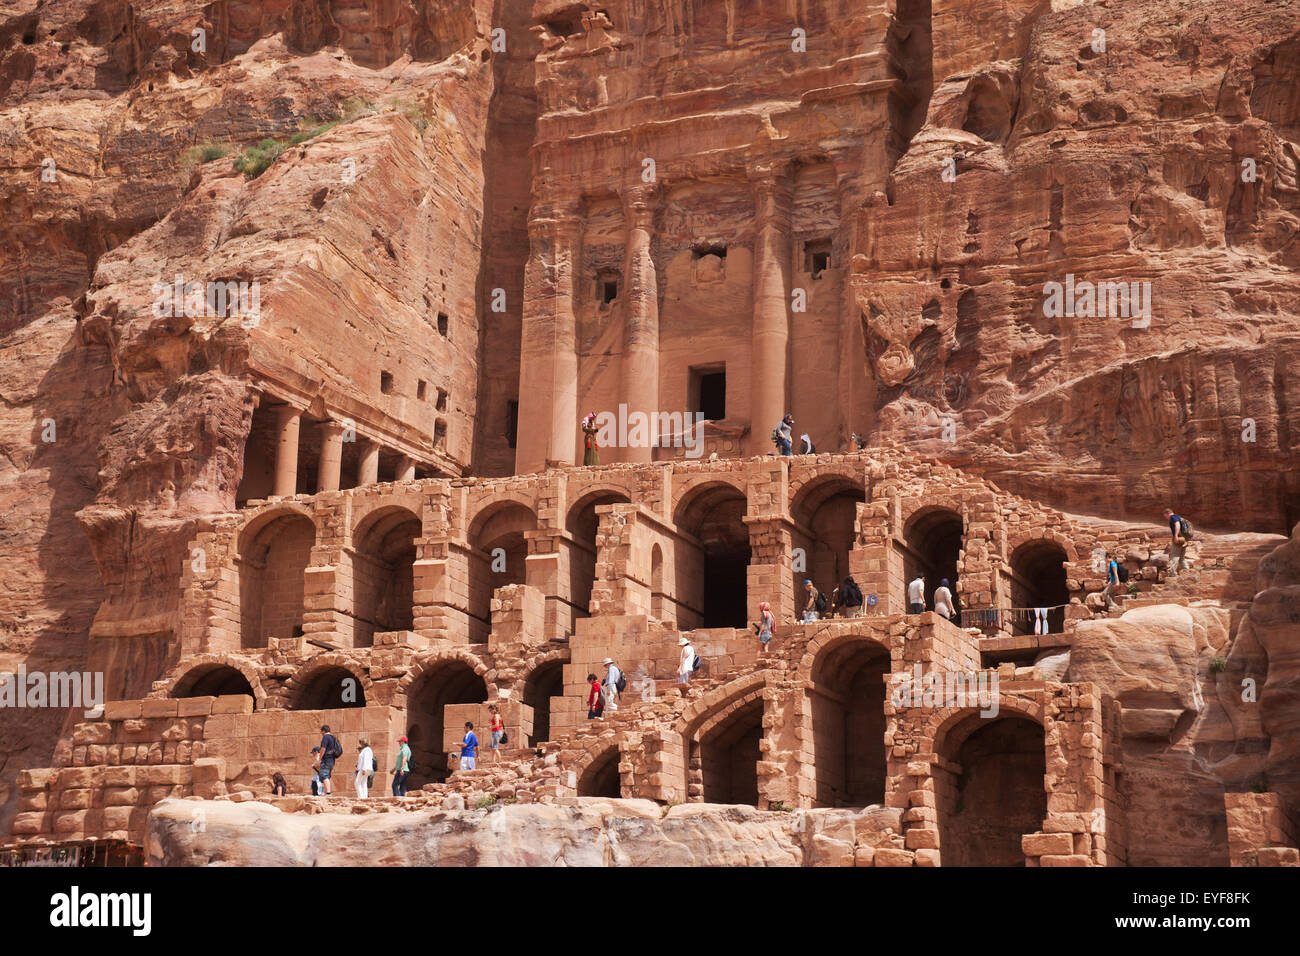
column 687, row 663
column 943, row 601
column 365, row 765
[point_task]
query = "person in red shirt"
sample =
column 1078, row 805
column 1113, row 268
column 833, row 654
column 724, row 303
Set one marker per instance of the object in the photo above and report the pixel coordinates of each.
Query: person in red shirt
column 498, row 731
column 595, row 706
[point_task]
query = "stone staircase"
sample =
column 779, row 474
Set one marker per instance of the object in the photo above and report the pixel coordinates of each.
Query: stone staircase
column 1223, row 569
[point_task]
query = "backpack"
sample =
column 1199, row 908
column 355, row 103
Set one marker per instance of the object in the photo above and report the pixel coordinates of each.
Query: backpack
column 698, row 663
column 776, row 434
column 1122, row 573
column 621, row 683
column 819, row 602
column 1187, row 528
column 336, row 750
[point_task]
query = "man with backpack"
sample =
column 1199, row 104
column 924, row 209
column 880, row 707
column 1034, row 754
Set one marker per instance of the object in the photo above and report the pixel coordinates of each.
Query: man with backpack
column 330, row 751
column 816, row 605
column 688, row 663
column 614, row 684
column 1180, row 533
column 783, row 436
column 850, row 598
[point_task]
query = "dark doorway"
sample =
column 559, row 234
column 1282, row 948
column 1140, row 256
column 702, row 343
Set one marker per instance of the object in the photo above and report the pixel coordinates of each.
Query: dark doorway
column 451, row 682
column 331, row 688
column 997, row 797
column 601, row 778
column 848, row 716
column 546, row 681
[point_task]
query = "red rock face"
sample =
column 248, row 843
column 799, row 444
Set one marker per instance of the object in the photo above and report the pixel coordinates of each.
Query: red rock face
column 1140, row 154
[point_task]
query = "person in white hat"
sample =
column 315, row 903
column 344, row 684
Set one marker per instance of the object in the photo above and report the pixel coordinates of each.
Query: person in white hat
column 612, row 674
column 687, row 663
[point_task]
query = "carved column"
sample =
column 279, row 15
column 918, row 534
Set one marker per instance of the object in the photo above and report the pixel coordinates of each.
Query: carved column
column 331, row 457
column 548, row 372
column 641, row 318
column 368, row 470
column 769, row 348
column 288, row 420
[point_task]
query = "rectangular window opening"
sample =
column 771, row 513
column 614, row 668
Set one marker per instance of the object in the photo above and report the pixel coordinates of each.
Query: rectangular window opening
column 708, row 385
column 817, row 257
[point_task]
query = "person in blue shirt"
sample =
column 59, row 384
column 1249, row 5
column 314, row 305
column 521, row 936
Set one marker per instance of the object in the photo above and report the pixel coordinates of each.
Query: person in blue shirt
column 468, row 748
column 1112, row 582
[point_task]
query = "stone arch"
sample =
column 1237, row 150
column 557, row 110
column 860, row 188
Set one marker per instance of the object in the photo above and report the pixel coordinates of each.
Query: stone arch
column 720, row 740
column 383, row 572
column 1036, row 568
column 825, row 511
column 712, row 555
column 435, row 681
column 491, row 504
column 597, row 772
column 191, row 677
column 544, row 680
column 274, row 551
column 321, row 679
column 498, row 551
column 989, row 786
column 845, row 677
column 582, row 523
column 933, row 538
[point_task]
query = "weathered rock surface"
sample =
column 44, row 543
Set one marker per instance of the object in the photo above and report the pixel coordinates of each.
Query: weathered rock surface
column 1115, row 157
column 595, row 832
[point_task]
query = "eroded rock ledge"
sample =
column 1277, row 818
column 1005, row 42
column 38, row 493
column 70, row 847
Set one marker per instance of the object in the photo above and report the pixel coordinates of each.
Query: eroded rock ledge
column 590, row 832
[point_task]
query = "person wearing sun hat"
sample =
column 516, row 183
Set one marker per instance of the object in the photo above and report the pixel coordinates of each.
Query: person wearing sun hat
column 402, row 768
column 612, row 674
column 687, row 663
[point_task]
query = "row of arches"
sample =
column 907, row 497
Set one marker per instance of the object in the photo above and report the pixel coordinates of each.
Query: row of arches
column 989, row 779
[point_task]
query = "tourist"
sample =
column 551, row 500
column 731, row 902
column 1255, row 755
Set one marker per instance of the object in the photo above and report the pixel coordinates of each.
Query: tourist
column 468, row 747
column 401, row 767
column 916, row 595
column 783, row 435
column 686, row 665
column 612, row 675
column 591, row 451
column 943, row 601
column 497, row 729
column 850, row 598
column 806, row 445
column 814, row 597
column 278, row 786
column 330, row 750
column 594, row 703
column 365, row 767
column 317, row 784
column 1112, row 582
column 1179, row 535
column 766, row 622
